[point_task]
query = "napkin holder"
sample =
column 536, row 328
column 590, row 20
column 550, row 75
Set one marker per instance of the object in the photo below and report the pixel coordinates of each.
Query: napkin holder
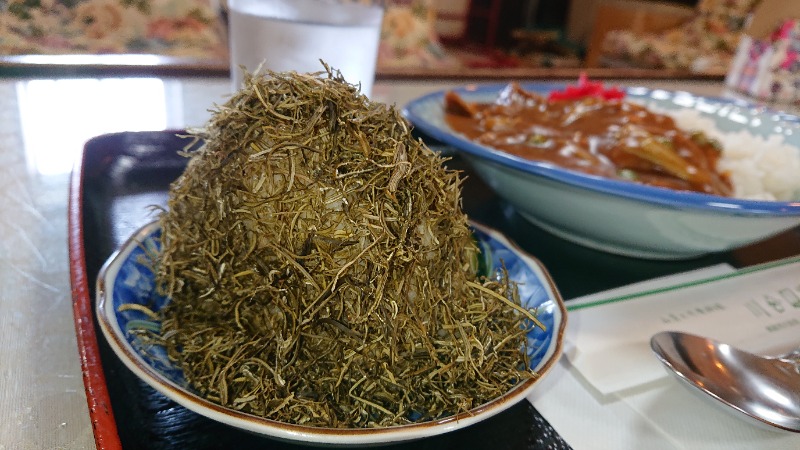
column 767, row 61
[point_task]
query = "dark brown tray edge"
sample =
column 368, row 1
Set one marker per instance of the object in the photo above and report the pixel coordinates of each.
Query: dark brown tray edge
column 101, row 414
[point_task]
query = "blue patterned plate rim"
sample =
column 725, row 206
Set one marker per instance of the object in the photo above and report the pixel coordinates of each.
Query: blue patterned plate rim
column 127, row 278
column 426, row 113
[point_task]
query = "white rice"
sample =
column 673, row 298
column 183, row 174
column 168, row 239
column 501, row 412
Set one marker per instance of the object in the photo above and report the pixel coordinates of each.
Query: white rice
column 760, row 168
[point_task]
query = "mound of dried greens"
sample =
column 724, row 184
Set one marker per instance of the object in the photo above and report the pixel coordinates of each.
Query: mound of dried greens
column 321, row 269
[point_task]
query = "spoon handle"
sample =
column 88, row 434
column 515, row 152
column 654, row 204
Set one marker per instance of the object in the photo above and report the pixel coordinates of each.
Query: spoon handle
column 793, row 358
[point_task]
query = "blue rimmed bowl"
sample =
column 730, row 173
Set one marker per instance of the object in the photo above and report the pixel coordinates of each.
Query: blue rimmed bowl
column 618, row 216
column 126, row 298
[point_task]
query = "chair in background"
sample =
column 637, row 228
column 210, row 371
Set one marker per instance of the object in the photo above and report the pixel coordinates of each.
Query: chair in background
column 661, row 36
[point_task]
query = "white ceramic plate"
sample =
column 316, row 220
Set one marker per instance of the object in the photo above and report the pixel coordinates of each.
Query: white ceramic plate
column 127, row 278
column 619, row 216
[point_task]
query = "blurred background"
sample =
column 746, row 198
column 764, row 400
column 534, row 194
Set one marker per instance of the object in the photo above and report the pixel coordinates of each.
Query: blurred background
column 419, row 37
column 698, row 36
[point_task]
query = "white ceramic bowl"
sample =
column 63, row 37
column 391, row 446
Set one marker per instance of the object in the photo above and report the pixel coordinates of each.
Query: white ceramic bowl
column 127, row 278
column 618, row 216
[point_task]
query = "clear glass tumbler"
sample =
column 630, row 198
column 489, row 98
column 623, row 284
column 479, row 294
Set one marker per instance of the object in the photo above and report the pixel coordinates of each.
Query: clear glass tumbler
column 283, row 35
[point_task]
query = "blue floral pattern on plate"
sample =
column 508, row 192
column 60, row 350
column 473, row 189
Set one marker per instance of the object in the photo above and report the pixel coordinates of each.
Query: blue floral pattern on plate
column 135, row 285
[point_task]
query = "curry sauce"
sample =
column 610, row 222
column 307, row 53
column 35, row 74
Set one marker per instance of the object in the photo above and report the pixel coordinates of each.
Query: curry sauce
column 610, row 138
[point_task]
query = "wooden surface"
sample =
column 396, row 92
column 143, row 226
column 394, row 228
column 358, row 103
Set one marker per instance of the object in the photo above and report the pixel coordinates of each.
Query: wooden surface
column 49, row 66
column 539, row 73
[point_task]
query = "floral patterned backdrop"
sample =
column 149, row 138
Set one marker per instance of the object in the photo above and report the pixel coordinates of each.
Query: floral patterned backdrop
column 185, row 28
column 408, row 36
column 166, row 27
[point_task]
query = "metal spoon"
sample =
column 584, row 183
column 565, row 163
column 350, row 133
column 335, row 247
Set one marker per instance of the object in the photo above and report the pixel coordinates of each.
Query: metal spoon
column 765, row 389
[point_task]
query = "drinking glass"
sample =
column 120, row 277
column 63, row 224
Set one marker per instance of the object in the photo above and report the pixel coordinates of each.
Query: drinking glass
column 284, row 35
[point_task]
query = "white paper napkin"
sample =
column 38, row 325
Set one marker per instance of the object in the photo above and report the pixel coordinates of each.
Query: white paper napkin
column 660, row 413
column 757, row 309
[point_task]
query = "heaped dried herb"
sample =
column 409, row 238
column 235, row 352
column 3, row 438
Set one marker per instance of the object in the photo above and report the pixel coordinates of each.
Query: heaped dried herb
column 322, row 271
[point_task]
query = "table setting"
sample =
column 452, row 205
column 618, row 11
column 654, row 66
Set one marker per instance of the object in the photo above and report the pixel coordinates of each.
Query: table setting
column 115, row 205
column 107, row 193
column 599, row 310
